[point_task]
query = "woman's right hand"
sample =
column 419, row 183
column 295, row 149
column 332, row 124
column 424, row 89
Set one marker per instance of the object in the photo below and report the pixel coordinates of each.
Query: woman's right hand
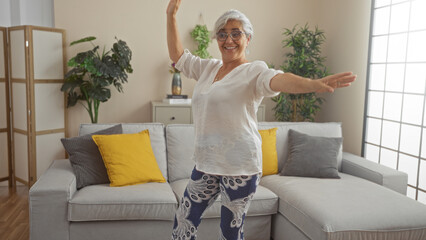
column 173, row 7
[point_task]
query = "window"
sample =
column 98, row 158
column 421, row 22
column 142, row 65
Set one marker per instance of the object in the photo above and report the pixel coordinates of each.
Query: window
column 395, row 116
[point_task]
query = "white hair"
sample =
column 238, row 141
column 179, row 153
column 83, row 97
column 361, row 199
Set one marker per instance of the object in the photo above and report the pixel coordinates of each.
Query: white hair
column 234, row 15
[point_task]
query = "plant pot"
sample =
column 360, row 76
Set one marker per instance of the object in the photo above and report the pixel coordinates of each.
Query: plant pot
column 176, row 84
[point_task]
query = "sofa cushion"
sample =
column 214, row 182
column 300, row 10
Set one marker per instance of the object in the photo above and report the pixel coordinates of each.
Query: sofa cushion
column 329, row 129
column 156, row 134
column 128, row 158
column 342, row 208
column 264, row 202
column 269, row 151
column 135, row 202
column 311, row 156
column 85, row 158
column 180, row 148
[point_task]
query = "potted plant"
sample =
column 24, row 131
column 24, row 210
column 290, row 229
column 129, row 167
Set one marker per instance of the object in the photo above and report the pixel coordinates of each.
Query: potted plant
column 201, row 35
column 92, row 74
column 304, row 60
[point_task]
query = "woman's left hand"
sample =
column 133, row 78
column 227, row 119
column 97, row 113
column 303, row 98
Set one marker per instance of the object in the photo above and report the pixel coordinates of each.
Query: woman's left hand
column 330, row 83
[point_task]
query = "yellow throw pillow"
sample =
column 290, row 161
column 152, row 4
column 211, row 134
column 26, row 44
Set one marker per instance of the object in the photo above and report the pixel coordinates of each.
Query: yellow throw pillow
column 269, row 151
column 129, row 158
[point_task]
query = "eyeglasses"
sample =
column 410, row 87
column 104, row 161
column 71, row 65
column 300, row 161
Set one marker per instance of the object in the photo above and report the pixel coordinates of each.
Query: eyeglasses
column 235, row 35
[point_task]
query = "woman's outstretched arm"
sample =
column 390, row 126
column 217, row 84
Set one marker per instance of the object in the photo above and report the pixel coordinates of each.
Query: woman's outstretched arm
column 173, row 40
column 291, row 83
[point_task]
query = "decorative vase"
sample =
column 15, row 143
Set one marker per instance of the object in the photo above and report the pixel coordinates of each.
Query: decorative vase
column 176, row 84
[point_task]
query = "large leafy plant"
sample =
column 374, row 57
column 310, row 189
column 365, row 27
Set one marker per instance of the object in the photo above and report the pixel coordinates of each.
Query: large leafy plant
column 92, row 74
column 304, row 60
column 202, row 36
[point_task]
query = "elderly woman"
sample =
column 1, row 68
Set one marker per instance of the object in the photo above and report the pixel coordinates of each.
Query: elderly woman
column 228, row 148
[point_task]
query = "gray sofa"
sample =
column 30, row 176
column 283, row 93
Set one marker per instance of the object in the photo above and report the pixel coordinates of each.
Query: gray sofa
column 368, row 202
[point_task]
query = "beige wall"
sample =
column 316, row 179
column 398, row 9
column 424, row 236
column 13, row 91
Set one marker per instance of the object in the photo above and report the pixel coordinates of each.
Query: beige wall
column 141, row 23
column 347, row 25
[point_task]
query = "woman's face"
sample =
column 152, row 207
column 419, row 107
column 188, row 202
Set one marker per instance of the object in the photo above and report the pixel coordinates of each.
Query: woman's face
column 233, row 48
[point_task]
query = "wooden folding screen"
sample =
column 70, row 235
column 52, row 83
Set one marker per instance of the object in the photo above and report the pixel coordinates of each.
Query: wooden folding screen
column 37, row 67
column 5, row 152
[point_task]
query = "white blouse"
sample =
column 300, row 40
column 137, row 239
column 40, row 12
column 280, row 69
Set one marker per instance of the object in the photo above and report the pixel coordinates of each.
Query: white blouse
column 227, row 141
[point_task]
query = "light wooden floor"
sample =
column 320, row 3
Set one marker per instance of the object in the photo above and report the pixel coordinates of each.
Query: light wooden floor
column 14, row 214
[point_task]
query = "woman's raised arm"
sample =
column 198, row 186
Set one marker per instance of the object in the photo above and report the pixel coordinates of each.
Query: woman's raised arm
column 173, row 40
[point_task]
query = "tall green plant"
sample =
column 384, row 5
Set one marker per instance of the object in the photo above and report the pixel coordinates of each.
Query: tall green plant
column 202, row 36
column 92, row 73
column 304, row 60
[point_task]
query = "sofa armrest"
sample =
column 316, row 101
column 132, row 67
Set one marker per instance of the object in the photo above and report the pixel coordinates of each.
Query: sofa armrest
column 382, row 175
column 48, row 199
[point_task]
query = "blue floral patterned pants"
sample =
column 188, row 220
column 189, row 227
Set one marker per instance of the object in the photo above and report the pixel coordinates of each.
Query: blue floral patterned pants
column 201, row 192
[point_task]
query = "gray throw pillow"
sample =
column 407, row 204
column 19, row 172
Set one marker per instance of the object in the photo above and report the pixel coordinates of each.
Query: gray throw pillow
column 311, row 156
column 85, row 158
